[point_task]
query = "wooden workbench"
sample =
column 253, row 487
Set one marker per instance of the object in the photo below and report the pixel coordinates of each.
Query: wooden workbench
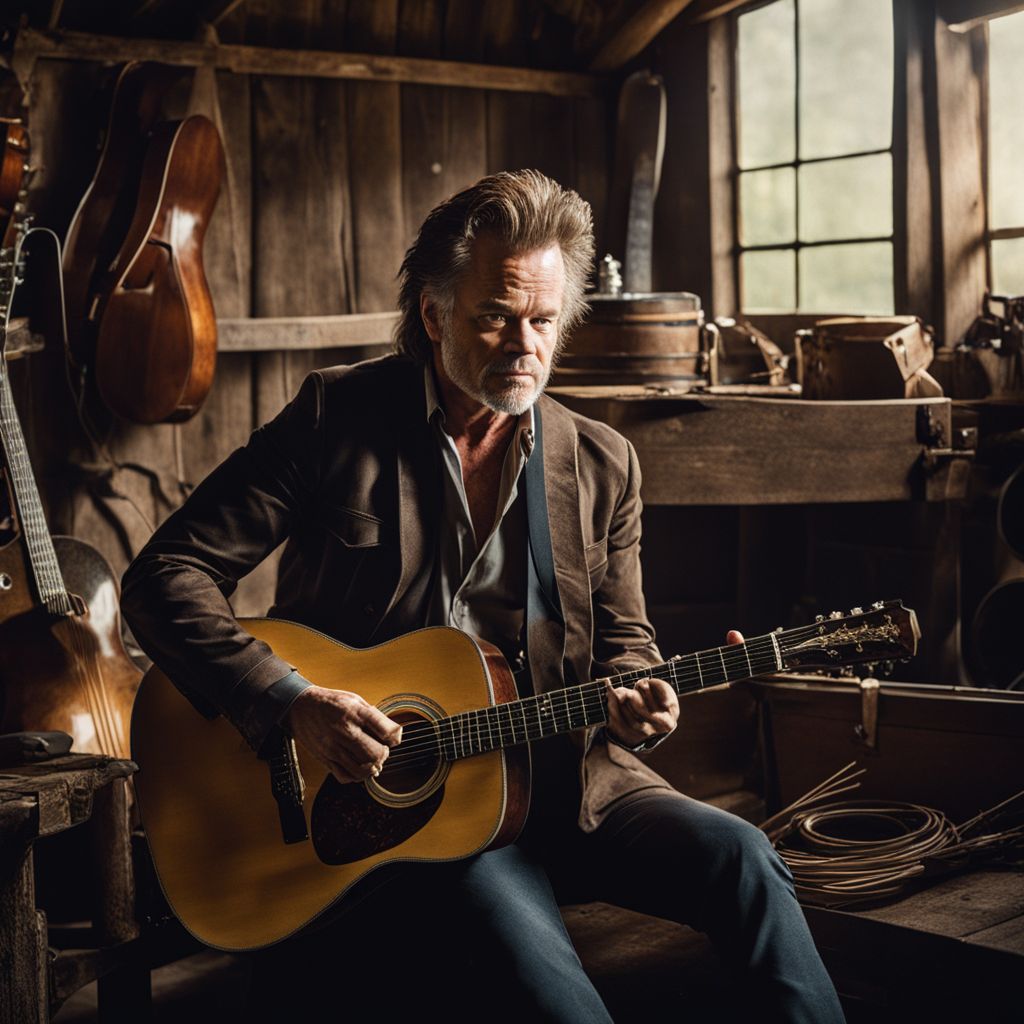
column 715, row 449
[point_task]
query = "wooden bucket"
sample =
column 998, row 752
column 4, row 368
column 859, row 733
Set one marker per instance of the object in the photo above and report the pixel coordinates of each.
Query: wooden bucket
column 637, row 338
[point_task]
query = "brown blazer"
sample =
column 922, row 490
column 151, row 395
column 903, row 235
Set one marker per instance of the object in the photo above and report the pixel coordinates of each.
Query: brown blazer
column 348, row 475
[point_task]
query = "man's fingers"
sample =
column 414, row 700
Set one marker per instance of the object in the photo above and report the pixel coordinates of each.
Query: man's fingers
column 734, row 636
column 377, row 724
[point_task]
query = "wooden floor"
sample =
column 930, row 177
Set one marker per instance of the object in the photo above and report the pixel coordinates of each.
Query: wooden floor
column 959, row 942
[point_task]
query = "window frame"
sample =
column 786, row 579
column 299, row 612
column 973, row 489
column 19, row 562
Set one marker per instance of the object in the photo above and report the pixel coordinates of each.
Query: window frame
column 796, row 163
column 940, row 248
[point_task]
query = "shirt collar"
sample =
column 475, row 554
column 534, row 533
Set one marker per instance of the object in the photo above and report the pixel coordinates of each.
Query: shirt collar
column 524, row 428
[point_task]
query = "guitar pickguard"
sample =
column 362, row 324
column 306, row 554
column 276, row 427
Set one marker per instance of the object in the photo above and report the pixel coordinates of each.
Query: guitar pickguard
column 348, row 824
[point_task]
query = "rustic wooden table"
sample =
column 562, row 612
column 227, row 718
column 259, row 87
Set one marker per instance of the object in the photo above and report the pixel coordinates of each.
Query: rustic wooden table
column 41, row 800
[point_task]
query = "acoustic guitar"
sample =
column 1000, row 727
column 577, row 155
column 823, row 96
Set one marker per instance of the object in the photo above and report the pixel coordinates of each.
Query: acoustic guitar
column 457, row 784
column 62, row 662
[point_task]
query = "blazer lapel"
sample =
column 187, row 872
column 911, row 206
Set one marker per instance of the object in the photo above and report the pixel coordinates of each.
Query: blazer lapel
column 561, row 648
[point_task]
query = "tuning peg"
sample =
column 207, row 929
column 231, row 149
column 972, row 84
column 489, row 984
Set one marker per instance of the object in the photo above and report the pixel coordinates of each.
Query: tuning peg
column 819, row 618
column 835, row 615
column 856, row 611
column 878, row 605
column 779, row 629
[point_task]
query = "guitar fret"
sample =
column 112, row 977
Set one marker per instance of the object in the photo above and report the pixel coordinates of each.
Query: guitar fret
column 721, row 657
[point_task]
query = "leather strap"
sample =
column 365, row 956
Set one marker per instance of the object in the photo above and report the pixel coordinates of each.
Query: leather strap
column 541, row 562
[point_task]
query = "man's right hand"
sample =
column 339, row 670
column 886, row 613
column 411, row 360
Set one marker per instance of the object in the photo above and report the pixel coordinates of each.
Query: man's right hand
column 351, row 737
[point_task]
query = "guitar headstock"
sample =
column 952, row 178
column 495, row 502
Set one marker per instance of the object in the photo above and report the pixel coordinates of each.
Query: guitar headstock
column 885, row 632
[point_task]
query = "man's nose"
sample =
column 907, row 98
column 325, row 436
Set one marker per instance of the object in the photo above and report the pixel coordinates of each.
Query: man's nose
column 520, row 337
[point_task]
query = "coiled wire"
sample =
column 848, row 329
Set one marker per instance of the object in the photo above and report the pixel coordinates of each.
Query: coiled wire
column 853, row 851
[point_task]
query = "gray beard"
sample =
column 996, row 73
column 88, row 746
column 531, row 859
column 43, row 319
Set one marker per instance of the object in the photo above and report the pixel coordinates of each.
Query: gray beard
column 513, row 399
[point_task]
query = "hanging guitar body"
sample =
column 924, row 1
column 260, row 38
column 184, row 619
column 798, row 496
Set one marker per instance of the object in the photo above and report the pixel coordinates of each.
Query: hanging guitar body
column 105, row 213
column 66, row 672
column 157, row 342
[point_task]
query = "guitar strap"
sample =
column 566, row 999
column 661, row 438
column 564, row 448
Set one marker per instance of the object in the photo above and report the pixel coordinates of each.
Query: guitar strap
column 541, row 589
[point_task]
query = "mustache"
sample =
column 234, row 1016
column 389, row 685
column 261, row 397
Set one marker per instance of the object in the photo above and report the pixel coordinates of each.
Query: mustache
column 516, row 364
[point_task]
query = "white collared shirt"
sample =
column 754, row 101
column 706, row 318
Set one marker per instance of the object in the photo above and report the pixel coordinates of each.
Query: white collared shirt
column 480, row 585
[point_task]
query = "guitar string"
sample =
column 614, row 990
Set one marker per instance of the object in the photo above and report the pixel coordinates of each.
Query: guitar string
column 531, row 713
column 758, row 646
column 589, row 695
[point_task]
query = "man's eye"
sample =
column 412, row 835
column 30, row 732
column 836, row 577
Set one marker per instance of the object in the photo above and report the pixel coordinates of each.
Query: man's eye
column 541, row 321
column 494, row 319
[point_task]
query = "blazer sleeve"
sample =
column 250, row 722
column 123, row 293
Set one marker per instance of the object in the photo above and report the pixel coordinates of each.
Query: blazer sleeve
column 175, row 593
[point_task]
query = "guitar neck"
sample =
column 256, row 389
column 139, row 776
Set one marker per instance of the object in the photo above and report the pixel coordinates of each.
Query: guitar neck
column 46, row 571
column 577, row 707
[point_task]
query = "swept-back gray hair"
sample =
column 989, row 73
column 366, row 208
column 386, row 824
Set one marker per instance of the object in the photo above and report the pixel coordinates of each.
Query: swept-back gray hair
column 527, row 211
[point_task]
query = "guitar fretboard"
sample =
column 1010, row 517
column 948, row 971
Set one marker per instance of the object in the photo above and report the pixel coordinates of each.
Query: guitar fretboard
column 548, row 714
column 32, row 522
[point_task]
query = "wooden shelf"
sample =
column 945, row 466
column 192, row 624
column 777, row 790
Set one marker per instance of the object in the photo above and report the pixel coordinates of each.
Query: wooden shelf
column 296, row 333
column 731, row 450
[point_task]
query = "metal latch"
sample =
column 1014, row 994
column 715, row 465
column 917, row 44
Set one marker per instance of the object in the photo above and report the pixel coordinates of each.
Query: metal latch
column 867, row 731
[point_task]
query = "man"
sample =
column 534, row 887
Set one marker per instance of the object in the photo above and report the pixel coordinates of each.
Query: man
column 438, row 486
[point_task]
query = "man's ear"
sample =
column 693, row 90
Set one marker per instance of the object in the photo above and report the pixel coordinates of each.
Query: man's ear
column 431, row 316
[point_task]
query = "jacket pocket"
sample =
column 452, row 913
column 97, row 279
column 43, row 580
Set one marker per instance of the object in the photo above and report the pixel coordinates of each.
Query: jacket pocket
column 596, row 556
column 353, row 528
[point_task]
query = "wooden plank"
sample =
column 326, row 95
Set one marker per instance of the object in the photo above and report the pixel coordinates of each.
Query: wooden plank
column 1007, row 936
column 723, row 298
column 725, row 450
column 509, row 146
column 375, row 167
column 637, row 33
column 963, row 15
column 961, row 129
column 279, row 333
column 959, row 907
column 592, row 134
column 682, row 235
column 33, row 44
column 708, row 10
column 914, row 156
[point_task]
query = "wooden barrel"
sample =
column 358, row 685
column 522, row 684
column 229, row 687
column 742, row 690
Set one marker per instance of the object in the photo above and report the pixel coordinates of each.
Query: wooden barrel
column 637, row 338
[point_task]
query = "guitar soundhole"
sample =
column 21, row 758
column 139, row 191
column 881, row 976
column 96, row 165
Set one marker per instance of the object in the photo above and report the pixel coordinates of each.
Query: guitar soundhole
column 415, row 762
column 349, row 823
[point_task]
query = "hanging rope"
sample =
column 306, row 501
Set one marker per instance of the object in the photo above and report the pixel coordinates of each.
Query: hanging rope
column 858, row 851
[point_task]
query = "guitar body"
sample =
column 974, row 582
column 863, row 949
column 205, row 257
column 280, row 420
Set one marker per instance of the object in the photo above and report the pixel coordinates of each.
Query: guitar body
column 105, row 213
column 157, row 343
column 67, row 673
column 213, row 825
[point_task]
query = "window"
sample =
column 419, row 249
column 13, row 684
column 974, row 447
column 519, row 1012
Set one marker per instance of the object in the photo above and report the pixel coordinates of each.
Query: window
column 814, row 153
column 1006, row 155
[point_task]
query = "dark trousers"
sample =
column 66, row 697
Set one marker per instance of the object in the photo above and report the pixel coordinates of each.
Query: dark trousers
column 482, row 939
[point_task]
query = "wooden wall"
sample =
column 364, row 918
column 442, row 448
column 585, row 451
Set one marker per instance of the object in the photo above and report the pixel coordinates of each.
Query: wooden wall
column 327, row 183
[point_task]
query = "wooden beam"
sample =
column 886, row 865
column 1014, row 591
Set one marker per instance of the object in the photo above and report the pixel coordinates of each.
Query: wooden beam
column 32, row 44
column 706, row 10
column 217, row 10
column 281, row 333
column 963, row 15
column 628, row 41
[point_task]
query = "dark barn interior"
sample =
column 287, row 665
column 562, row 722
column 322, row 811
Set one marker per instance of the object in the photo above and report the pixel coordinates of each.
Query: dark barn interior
column 809, row 327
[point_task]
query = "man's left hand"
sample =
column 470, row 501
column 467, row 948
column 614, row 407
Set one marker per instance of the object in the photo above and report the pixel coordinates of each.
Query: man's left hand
column 650, row 709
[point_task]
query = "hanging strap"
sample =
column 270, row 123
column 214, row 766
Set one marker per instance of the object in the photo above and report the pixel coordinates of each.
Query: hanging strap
column 541, row 563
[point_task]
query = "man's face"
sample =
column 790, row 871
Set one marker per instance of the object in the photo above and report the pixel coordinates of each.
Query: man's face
column 498, row 344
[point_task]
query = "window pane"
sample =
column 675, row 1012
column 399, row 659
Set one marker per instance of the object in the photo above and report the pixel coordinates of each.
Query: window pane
column 766, row 69
column 846, row 75
column 768, row 207
column 847, row 278
column 769, row 281
column 1006, row 121
column 846, row 198
column 1008, row 266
